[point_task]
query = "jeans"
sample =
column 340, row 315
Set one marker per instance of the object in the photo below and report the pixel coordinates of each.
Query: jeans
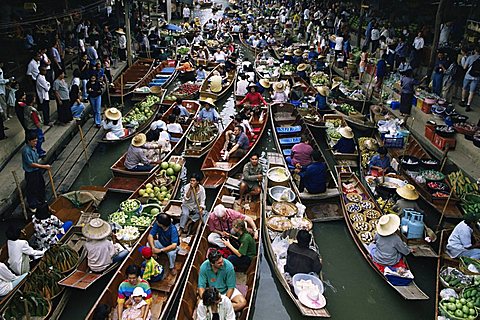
column 240, row 262
column 471, row 253
column 186, row 215
column 172, row 255
column 142, row 167
column 77, row 110
column 437, row 83
column 84, row 89
column 18, row 280
column 96, row 103
column 120, row 256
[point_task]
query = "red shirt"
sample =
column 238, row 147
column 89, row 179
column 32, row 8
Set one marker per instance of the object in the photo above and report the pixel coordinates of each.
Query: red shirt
column 255, row 99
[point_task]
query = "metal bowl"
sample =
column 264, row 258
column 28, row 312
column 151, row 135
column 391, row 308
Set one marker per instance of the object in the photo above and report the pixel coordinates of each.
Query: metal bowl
column 276, row 192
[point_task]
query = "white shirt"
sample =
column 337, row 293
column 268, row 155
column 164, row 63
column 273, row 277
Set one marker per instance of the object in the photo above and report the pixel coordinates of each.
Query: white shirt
column 42, row 88
column 17, row 251
column 122, row 42
column 46, row 60
column 242, row 87
column 6, row 278
column 306, row 14
column 225, row 310
column 32, row 69
column 2, row 83
column 164, row 136
column 186, row 12
column 219, row 56
column 255, row 43
column 375, row 34
column 460, row 240
column 116, row 129
column 418, row 43
column 158, row 124
column 174, row 128
column 338, row 43
column 99, row 254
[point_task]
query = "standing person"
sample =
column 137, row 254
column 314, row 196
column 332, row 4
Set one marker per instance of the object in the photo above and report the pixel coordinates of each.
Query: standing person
column 407, row 84
column 461, row 72
column 418, row 44
column 193, row 202
column 33, row 124
column 472, row 77
column 363, row 62
column 368, row 33
column 163, row 238
column 122, row 44
column 214, row 305
column 35, row 184
column 62, row 95
column 94, row 90
column 252, row 177
column 84, row 67
column 20, row 98
column 33, row 69
column 3, row 102
column 43, row 86
column 13, row 86
column 48, row 228
column 186, row 13
column 375, row 37
column 126, row 288
column 441, row 65
column 448, row 84
column 381, row 73
column 19, row 252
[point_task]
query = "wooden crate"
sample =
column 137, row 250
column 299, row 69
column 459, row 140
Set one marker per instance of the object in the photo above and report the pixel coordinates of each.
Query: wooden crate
column 429, row 132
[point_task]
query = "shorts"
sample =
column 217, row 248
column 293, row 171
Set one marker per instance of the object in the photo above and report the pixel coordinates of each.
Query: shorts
column 362, row 69
column 470, row 83
column 235, row 293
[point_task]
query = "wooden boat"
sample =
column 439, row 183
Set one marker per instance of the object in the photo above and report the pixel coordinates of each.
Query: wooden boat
column 205, row 88
column 195, row 148
column 65, row 210
column 215, row 169
column 410, row 291
column 288, row 129
column 260, row 65
column 132, row 77
column 164, row 291
column 244, row 42
column 270, row 235
column 357, row 120
column 161, row 76
column 342, row 159
column 246, row 281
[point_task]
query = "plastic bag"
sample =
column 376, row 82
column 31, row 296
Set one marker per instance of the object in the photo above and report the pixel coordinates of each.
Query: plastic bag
column 448, row 293
column 301, row 209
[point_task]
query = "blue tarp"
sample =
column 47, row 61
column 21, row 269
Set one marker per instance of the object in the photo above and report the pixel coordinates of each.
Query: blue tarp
column 173, row 27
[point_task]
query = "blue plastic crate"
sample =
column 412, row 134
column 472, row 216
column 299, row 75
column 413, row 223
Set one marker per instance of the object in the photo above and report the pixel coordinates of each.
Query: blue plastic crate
column 287, row 152
column 395, row 105
column 289, row 141
column 396, row 142
column 293, row 129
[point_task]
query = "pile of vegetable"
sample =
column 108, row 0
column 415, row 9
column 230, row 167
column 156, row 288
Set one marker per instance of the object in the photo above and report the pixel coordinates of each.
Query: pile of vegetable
column 142, row 111
column 471, row 205
column 455, row 279
column 36, row 305
column 130, row 205
column 170, row 97
column 319, row 79
column 45, row 283
column 346, row 109
column 462, row 183
column 61, row 257
column 287, row 69
column 333, row 134
column 202, row 131
column 183, row 51
column 128, row 233
column 160, row 188
column 333, row 123
column 185, row 90
column 458, row 308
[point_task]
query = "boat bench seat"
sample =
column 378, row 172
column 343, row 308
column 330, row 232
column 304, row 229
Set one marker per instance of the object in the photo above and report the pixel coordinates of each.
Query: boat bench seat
column 168, row 70
column 287, row 152
column 294, row 129
column 289, row 141
column 256, row 130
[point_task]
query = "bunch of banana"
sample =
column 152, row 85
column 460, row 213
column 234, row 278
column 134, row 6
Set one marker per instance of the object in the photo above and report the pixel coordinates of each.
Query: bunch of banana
column 62, row 257
column 45, row 283
column 34, row 303
column 462, row 183
column 365, row 158
column 386, row 207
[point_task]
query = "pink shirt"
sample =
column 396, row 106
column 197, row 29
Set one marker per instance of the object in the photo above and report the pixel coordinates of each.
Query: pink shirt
column 301, row 153
column 226, row 223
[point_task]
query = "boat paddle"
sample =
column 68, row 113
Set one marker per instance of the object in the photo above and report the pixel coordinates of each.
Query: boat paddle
column 22, row 200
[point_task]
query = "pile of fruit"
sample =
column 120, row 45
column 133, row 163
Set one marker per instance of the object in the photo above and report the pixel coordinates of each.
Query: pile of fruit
column 157, row 188
column 212, row 43
column 346, row 109
column 365, row 144
column 353, row 203
column 45, row 283
column 118, row 217
column 455, row 279
column 36, row 305
column 130, row 205
column 128, row 233
column 142, row 111
column 462, row 183
column 183, row 51
column 335, row 123
column 170, row 97
column 185, row 90
column 455, row 308
column 319, row 79
column 287, row 68
column 333, row 134
column 61, row 257
column 202, row 131
column 432, row 175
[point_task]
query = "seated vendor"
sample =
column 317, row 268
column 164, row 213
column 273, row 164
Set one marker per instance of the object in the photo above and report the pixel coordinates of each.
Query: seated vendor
column 126, row 288
column 408, row 196
column 236, row 143
column 302, row 259
column 335, row 91
column 279, row 94
column 136, row 159
column 380, row 162
column 185, row 66
column 242, row 256
column 216, row 82
column 252, row 177
column 388, row 248
column 302, row 71
column 208, row 112
column 314, row 177
column 301, row 155
column 253, row 98
column 346, row 144
column 460, row 241
column 113, row 124
column 321, row 98
column 297, row 92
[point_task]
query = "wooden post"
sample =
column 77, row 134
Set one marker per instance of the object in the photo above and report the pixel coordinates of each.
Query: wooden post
column 22, row 200
column 444, row 157
column 84, row 145
column 52, row 184
column 121, row 88
column 454, row 185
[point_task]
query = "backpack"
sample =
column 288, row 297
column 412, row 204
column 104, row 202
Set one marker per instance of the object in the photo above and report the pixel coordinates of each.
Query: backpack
column 475, row 69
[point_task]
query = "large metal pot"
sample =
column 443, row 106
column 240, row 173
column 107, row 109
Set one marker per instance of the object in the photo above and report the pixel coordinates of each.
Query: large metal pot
column 386, row 186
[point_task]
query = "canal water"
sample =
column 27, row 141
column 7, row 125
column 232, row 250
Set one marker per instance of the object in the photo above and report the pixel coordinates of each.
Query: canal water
column 353, row 291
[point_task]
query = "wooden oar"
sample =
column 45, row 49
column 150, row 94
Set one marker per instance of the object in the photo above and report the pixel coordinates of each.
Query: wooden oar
column 454, row 185
column 22, row 200
column 121, row 88
column 84, row 144
column 51, row 184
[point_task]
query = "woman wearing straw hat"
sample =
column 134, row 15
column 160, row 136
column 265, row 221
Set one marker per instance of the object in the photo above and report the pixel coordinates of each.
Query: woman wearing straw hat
column 113, row 124
column 253, row 97
column 208, row 112
column 388, row 248
column 321, row 97
column 297, row 93
column 101, row 252
column 279, row 92
column 287, row 56
column 136, row 159
column 297, row 57
column 345, row 144
column 408, row 196
column 302, row 71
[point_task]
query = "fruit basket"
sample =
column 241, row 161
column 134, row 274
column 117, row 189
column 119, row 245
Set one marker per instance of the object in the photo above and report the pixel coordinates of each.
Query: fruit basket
column 353, row 207
column 454, row 309
column 286, row 209
column 357, row 217
column 354, row 197
column 455, row 279
column 279, row 224
column 362, row 226
column 432, row 175
column 131, row 206
column 438, row 186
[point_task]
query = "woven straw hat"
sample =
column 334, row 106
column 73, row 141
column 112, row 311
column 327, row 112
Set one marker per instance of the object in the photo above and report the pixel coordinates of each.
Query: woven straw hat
column 265, row 83
column 113, row 114
column 96, row 229
column 289, row 52
column 139, row 140
column 388, row 224
column 209, row 101
column 335, row 84
column 279, row 86
column 323, row 90
column 346, row 132
column 298, row 52
column 120, row 31
column 408, row 192
column 302, row 67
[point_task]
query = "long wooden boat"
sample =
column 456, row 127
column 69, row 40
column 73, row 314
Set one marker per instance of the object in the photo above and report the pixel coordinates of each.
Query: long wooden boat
column 351, row 181
column 357, row 120
column 161, row 76
column 206, row 63
column 288, row 127
column 246, row 281
column 260, row 65
column 195, row 148
column 205, row 91
column 244, row 42
column 132, row 77
column 215, row 169
column 164, row 291
column 118, row 168
column 269, row 237
column 342, row 159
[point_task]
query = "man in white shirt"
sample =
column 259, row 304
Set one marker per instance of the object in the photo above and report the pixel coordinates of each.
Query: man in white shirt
column 186, row 13
column 242, row 85
column 43, row 86
column 306, row 14
column 460, row 241
column 33, row 68
column 375, row 37
column 220, row 56
column 3, row 101
column 122, row 44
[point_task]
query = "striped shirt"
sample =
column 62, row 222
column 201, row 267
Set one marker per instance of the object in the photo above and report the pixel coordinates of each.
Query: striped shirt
column 125, row 290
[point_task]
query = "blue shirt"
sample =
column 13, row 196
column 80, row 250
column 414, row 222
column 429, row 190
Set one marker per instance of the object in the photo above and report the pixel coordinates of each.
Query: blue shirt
column 29, row 156
column 381, row 68
column 166, row 237
column 312, row 55
column 210, row 115
column 183, row 111
column 320, row 102
column 223, row 280
column 242, row 141
column 376, row 161
column 201, row 74
column 345, row 145
column 303, row 75
column 314, row 178
column 297, row 59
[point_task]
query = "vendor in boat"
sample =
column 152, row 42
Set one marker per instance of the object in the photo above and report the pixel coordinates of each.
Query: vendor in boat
column 113, row 124
column 301, row 154
column 380, row 162
column 158, row 123
column 173, row 126
column 200, row 74
column 297, row 57
column 313, row 178
column 252, row 177
column 216, row 82
column 460, row 242
column 217, row 272
column 346, row 144
column 243, row 255
column 279, row 92
column 185, row 66
column 387, row 248
column 220, row 56
column 335, row 91
column 215, row 305
column 302, row 71
column 302, row 259
column 408, row 199
column 19, row 251
column 48, row 228
column 231, row 62
column 136, row 159
column 297, row 93
column 126, row 288
column 8, row 280
column 193, row 203
column 312, row 54
column 220, row 222
column 253, row 97
column 181, row 112
column 101, row 251
column 208, row 111
column 242, row 85
column 320, row 64
column 236, row 143
column 321, row 98
column 182, row 42
column 287, row 56
column 163, row 238
column 152, row 148
column 263, row 87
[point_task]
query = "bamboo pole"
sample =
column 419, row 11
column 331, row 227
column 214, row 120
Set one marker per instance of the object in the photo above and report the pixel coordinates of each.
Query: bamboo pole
column 22, row 200
column 121, row 88
column 52, row 184
column 444, row 158
column 84, row 144
column 454, row 185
